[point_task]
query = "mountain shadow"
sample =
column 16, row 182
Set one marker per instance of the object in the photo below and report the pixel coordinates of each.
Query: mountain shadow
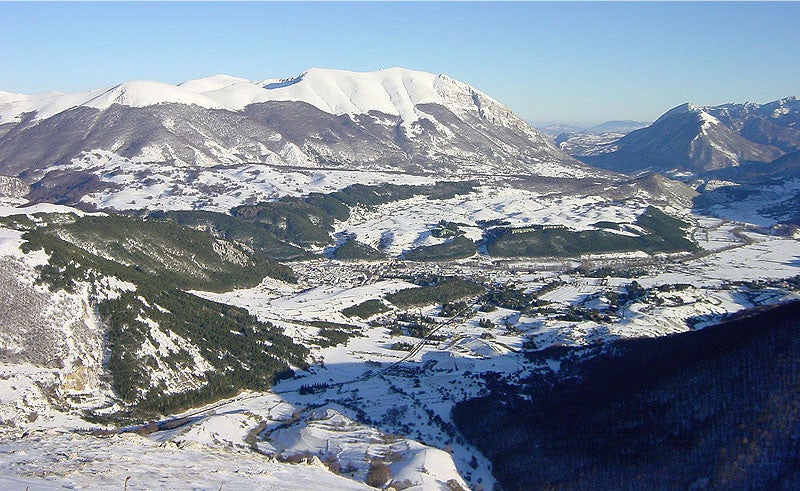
column 710, row 409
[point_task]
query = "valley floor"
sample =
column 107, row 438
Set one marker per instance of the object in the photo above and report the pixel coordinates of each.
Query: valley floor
column 384, row 394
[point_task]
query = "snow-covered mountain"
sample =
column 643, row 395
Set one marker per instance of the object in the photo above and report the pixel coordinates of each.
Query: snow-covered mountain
column 393, row 119
column 471, row 256
column 775, row 123
column 686, row 138
column 393, row 91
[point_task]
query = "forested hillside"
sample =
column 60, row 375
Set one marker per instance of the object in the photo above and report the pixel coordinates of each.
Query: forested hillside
column 717, row 408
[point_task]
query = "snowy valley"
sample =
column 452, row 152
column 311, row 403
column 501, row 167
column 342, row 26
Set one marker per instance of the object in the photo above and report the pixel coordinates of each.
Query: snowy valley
column 305, row 309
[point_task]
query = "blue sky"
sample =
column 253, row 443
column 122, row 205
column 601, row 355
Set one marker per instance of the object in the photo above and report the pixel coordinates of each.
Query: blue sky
column 568, row 62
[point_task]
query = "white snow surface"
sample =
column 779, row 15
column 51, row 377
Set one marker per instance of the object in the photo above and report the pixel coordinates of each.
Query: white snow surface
column 6, row 211
column 213, row 450
column 403, row 225
column 70, row 461
column 169, row 188
column 393, row 91
column 708, row 121
column 13, row 106
column 328, row 431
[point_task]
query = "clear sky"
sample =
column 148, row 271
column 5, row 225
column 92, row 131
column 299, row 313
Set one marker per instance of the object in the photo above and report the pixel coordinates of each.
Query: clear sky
column 566, row 62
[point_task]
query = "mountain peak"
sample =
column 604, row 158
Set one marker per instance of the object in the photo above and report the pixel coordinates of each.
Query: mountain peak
column 214, row 82
column 699, row 114
column 10, row 97
column 141, row 93
column 706, row 139
column 390, row 118
column 395, row 91
column 686, row 107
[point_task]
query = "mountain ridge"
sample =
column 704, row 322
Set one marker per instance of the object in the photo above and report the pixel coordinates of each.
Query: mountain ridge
column 702, row 139
column 388, row 90
column 392, row 120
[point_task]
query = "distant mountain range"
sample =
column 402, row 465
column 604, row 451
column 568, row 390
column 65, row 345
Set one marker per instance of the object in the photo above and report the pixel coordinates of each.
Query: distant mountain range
column 616, row 126
column 393, row 119
column 200, row 136
column 621, row 126
column 702, row 140
column 471, row 259
column 580, row 142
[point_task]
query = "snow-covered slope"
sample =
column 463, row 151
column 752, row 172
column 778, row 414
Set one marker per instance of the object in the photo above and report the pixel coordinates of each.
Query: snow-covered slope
column 12, row 190
column 137, row 93
column 775, row 123
column 698, row 140
column 389, row 120
column 141, row 93
column 129, row 461
column 393, row 91
column 51, row 343
column 14, row 106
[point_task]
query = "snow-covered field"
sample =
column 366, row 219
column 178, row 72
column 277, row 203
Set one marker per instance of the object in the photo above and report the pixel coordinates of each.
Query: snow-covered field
column 406, row 398
column 367, row 398
column 765, row 207
column 134, row 184
column 213, row 188
column 392, row 91
column 129, row 461
column 405, row 224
